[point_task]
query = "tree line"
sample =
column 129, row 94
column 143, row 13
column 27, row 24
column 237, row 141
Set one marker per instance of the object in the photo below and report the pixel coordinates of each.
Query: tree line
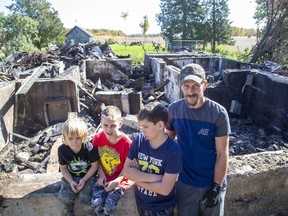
column 34, row 28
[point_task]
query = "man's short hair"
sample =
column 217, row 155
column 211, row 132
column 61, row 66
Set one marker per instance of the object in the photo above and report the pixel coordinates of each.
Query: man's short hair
column 153, row 112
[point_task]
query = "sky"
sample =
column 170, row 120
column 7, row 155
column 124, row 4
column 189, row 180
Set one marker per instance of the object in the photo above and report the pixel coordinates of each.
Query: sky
column 106, row 14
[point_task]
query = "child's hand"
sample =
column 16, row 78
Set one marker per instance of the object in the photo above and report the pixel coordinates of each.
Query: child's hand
column 101, row 181
column 74, row 186
column 109, row 186
column 135, row 164
column 80, row 185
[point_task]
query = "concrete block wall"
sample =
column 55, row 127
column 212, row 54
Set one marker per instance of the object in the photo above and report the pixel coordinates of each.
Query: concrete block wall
column 6, row 111
column 113, row 69
column 127, row 102
column 171, row 89
column 30, row 107
column 257, row 186
column 266, row 101
column 212, row 64
column 263, row 100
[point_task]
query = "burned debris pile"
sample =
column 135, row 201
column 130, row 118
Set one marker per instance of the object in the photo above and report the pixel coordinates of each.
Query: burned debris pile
column 31, row 153
column 18, row 65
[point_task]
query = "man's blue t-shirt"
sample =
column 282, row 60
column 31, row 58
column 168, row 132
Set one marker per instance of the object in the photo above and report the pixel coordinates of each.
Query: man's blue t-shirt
column 196, row 130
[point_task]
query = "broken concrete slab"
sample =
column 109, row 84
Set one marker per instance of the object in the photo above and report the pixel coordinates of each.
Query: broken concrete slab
column 257, row 184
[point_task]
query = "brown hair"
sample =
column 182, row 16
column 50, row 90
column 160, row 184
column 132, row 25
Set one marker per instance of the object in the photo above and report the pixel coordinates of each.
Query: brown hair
column 153, row 112
column 112, row 113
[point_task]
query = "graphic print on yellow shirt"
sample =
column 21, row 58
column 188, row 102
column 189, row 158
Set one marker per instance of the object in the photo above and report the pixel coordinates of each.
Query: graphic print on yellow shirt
column 110, row 159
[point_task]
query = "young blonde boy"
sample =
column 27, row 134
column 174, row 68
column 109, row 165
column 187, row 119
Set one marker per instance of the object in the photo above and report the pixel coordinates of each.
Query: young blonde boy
column 153, row 162
column 78, row 164
column 113, row 147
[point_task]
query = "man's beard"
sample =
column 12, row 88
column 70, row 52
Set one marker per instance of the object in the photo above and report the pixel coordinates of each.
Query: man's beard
column 194, row 97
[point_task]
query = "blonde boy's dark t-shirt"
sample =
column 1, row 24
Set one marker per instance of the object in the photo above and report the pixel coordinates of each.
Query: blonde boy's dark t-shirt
column 79, row 163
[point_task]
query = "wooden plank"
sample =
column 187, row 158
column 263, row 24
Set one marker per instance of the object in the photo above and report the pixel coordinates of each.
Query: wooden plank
column 30, row 80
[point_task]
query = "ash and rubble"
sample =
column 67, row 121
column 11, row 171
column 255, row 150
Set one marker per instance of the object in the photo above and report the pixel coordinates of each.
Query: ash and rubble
column 30, row 153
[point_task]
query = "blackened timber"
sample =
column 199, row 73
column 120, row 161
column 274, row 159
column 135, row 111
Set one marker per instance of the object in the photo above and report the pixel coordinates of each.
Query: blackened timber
column 30, row 80
column 161, row 85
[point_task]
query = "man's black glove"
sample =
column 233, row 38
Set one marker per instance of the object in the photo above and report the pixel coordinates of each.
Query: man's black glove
column 211, row 197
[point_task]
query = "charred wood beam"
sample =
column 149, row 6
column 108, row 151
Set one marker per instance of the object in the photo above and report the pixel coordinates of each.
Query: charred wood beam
column 161, row 85
column 30, row 80
column 26, row 163
column 20, row 136
column 41, row 167
column 89, row 94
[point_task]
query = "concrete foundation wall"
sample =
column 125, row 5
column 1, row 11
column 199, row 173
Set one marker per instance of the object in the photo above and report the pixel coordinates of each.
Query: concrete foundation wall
column 257, row 184
column 114, row 70
column 213, row 65
column 171, row 89
column 262, row 100
column 266, row 101
column 251, row 191
column 31, row 108
column 6, row 111
column 127, row 102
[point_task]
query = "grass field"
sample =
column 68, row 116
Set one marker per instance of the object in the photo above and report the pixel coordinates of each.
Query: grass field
column 136, row 52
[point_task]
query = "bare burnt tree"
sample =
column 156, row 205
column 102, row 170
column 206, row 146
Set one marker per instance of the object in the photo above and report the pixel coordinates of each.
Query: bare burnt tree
column 273, row 44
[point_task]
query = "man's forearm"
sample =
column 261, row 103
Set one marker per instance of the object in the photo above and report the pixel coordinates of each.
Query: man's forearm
column 221, row 167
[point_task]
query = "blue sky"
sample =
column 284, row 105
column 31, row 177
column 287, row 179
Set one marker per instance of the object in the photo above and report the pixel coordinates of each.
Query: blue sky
column 107, row 13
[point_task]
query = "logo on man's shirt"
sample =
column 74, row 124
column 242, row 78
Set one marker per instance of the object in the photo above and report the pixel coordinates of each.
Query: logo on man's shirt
column 204, row 131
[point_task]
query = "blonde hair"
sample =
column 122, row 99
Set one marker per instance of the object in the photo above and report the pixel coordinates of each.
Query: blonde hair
column 75, row 126
column 111, row 112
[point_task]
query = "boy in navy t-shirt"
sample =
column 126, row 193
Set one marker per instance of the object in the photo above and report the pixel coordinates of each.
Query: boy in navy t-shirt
column 153, row 163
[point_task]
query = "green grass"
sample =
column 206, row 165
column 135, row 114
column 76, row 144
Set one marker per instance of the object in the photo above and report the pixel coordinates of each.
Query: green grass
column 2, row 55
column 136, row 52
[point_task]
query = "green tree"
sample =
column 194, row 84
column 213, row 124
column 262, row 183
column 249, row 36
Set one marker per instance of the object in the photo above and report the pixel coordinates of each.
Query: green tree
column 50, row 28
column 217, row 28
column 180, row 19
column 196, row 20
column 17, row 33
column 144, row 25
column 272, row 19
